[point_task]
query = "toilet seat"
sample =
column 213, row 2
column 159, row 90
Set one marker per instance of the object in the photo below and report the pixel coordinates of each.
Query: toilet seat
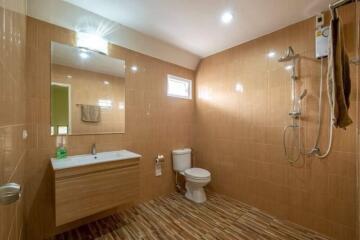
column 197, row 174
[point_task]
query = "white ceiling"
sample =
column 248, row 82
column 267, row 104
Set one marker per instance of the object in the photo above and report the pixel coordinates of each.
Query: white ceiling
column 69, row 16
column 194, row 25
column 70, row 56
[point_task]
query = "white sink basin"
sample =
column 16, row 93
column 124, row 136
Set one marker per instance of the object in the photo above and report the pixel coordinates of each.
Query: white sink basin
column 87, row 159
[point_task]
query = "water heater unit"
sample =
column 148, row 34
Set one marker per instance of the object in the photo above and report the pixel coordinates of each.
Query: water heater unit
column 322, row 42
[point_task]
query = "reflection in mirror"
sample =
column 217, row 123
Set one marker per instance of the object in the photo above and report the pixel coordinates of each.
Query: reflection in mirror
column 87, row 92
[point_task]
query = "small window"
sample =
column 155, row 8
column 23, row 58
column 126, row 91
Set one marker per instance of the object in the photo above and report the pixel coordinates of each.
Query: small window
column 179, row 87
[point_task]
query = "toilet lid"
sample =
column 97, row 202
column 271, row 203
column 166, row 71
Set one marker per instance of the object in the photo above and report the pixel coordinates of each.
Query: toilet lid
column 197, row 173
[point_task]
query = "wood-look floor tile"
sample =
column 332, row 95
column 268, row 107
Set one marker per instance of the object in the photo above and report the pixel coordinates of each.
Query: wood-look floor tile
column 175, row 218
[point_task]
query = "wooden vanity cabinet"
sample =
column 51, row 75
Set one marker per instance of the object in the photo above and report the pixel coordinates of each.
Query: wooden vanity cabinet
column 86, row 190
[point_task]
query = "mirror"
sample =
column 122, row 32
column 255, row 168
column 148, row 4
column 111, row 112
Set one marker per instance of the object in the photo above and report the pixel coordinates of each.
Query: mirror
column 87, row 92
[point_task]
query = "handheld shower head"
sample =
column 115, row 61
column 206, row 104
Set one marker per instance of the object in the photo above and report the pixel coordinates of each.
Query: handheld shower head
column 303, row 94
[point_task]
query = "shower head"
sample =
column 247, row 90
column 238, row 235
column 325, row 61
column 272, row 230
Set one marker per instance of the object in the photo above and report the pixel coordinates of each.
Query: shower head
column 289, row 55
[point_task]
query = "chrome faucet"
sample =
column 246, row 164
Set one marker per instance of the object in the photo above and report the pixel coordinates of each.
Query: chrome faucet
column 93, row 149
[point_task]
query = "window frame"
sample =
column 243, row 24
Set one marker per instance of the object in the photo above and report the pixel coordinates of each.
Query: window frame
column 180, row 79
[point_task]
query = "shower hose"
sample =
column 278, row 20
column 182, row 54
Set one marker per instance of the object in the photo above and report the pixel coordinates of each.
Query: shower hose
column 316, row 149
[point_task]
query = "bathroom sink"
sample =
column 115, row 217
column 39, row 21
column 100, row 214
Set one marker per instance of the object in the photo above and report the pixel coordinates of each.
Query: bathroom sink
column 88, row 159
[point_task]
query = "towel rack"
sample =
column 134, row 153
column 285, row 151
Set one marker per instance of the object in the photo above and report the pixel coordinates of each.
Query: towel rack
column 339, row 3
column 80, row 104
column 333, row 7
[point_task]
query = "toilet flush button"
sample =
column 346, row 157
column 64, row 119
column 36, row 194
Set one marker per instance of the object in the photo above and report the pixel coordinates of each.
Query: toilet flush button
column 24, row 134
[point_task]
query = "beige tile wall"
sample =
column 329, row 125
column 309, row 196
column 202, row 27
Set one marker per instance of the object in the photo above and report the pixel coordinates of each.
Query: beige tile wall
column 12, row 110
column 239, row 134
column 155, row 123
column 87, row 88
column 358, row 122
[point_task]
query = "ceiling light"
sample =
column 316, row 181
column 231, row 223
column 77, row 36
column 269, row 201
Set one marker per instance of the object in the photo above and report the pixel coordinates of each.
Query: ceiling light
column 227, row 17
column 92, row 42
column 271, row 54
column 239, row 87
column 134, row 68
column 106, row 82
column 84, row 55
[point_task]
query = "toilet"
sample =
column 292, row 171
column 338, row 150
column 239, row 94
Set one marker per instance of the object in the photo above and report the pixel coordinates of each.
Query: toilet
column 196, row 178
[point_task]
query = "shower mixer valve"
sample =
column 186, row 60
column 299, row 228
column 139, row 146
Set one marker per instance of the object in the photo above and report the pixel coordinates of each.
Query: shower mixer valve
column 295, row 115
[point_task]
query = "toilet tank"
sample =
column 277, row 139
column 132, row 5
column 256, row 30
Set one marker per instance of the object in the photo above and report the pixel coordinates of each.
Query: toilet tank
column 181, row 159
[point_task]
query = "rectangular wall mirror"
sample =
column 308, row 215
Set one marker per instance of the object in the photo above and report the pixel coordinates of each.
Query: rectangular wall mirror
column 87, row 92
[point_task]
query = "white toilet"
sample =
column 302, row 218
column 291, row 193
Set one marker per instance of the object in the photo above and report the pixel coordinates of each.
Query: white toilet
column 196, row 178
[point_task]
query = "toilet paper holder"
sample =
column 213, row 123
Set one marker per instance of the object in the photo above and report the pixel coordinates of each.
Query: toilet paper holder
column 160, row 158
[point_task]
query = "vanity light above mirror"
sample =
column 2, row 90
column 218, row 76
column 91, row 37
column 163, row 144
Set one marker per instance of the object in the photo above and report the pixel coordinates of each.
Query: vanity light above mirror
column 92, row 42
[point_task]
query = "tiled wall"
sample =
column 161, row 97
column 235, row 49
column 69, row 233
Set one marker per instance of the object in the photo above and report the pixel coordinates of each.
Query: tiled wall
column 358, row 122
column 12, row 110
column 155, row 123
column 239, row 133
column 87, row 88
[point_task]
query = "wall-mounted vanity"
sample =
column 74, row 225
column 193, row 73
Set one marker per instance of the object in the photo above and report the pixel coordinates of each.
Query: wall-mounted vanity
column 106, row 180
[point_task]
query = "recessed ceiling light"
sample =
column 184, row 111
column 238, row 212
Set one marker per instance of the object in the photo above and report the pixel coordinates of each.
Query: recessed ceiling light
column 134, row 68
column 84, row 55
column 226, row 17
column 271, row 54
column 106, row 82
